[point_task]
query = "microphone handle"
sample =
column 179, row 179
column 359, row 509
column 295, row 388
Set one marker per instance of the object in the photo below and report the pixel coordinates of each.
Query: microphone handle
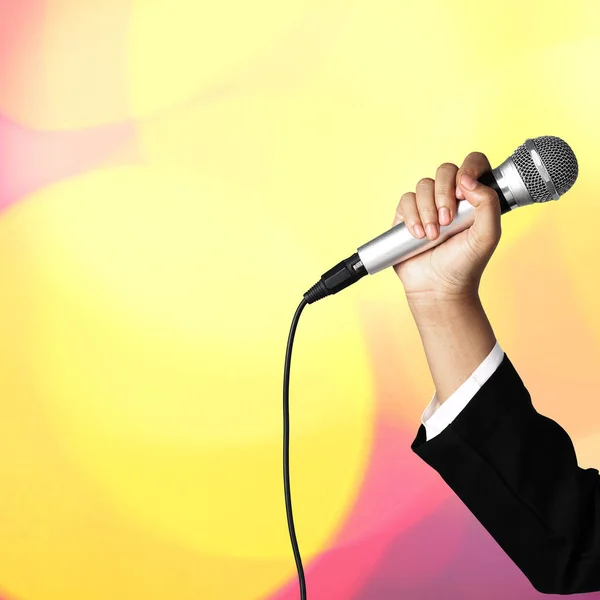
column 398, row 244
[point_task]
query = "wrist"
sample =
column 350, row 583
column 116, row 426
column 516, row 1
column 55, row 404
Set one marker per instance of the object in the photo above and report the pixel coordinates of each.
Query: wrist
column 440, row 306
column 456, row 336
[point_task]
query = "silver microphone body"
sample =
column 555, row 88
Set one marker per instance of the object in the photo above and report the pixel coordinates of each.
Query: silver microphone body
column 398, row 244
column 539, row 170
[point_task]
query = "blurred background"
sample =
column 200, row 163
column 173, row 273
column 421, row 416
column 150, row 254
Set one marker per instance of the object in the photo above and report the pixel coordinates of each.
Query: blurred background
column 174, row 175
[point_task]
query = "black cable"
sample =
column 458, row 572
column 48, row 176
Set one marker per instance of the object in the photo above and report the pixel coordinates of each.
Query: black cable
column 286, row 449
column 341, row 276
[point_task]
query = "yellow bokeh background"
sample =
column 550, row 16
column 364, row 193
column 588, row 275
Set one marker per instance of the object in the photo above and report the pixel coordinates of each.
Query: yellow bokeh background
column 145, row 302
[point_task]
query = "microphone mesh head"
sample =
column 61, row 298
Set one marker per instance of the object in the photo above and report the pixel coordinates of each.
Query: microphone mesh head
column 559, row 160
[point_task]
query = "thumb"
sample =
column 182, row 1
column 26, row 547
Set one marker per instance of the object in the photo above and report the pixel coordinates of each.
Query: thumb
column 486, row 228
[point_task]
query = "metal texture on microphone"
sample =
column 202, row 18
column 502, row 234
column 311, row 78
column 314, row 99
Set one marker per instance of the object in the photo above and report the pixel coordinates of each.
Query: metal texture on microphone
column 539, row 170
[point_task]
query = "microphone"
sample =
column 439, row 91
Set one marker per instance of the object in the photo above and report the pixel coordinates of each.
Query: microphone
column 539, row 170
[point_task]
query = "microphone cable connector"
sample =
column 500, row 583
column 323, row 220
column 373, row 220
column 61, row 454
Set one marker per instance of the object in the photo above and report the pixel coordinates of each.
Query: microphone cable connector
column 345, row 273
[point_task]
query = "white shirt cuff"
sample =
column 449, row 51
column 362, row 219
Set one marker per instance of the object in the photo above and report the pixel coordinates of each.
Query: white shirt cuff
column 437, row 417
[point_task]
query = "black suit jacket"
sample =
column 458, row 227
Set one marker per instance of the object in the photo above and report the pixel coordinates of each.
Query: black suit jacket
column 516, row 470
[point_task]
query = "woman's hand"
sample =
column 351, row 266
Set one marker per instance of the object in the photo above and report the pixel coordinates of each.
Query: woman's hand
column 452, row 269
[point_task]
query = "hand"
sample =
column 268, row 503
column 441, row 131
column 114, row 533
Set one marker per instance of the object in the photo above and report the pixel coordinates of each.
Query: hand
column 454, row 267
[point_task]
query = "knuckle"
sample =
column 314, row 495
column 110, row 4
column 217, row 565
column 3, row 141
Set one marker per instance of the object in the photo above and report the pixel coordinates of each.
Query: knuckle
column 447, row 166
column 443, row 192
column 429, row 215
column 407, row 198
column 425, row 182
column 477, row 156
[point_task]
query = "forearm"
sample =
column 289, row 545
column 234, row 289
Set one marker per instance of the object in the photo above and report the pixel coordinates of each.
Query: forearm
column 456, row 336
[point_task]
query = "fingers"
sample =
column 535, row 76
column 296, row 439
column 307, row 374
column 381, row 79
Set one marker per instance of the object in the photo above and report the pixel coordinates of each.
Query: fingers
column 426, row 207
column 486, row 229
column 445, row 192
column 473, row 167
column 475, row 164
column 433, row 204
column 408, row 212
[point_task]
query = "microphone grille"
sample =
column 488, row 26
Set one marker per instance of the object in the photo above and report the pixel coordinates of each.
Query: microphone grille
column 559, row 160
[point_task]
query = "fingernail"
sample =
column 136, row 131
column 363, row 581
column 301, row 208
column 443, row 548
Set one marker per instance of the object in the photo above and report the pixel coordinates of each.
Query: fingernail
column 444, row 216
column 458, row 192
column 419, row 230
column 467, row 181
column 431, row 230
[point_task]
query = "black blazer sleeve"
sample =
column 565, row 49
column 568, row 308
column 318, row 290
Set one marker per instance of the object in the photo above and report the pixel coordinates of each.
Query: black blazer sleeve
column 516, row 470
